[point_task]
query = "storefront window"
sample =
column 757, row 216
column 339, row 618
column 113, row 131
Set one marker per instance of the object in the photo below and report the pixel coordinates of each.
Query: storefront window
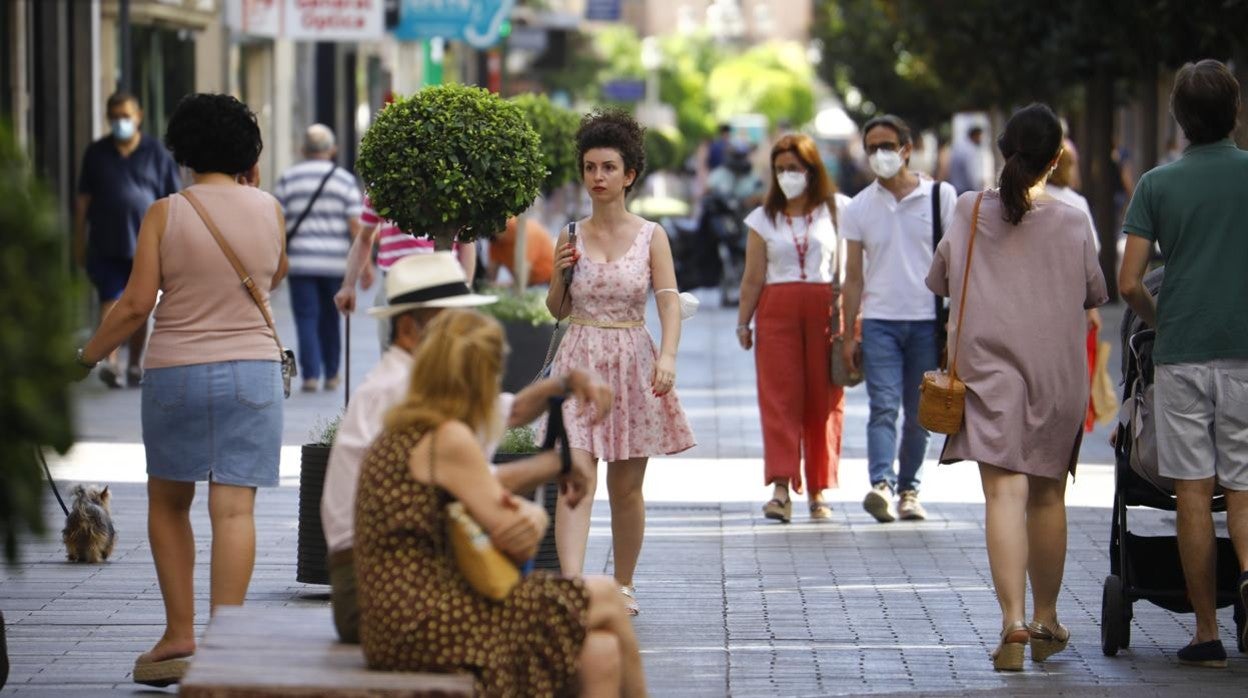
column 164, row 72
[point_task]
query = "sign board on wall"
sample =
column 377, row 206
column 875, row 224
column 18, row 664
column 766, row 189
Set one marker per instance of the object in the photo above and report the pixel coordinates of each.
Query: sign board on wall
column 603, row 10
column 309, row 20
column 475, row 22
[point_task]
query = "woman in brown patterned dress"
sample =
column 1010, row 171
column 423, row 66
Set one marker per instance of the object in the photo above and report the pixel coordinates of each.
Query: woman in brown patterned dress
column 551, row 635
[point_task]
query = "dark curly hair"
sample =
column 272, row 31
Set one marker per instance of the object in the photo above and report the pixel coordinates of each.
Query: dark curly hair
column 615, row 129
column 214, row 133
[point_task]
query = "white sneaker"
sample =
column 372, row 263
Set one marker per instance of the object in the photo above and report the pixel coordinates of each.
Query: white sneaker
column 909, row 507
column 879, row 503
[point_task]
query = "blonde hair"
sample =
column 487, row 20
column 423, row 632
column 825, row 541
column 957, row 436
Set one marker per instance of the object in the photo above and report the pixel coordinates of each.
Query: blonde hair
column 456, row 375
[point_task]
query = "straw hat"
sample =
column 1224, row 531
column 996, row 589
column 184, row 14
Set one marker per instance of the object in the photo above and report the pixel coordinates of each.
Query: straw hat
column 433, row 280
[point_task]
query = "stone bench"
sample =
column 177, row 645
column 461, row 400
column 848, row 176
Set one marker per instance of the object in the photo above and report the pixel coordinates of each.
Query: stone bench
column 294, row 652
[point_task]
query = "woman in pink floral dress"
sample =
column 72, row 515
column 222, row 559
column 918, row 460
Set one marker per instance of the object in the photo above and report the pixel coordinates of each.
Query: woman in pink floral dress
column 616, row 260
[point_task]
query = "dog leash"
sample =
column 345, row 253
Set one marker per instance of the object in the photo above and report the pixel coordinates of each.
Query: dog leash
column 51, row 482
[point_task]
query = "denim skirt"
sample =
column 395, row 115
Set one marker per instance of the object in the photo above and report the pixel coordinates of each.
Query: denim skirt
column 218, row 421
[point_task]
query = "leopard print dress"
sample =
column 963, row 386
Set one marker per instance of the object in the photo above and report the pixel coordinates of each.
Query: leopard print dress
column 418, row 613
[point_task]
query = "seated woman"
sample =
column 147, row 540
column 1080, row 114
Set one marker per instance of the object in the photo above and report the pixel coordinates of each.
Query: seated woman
column 550, row 635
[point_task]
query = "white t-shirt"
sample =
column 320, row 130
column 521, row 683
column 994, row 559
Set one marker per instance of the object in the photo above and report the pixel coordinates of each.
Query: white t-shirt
column 782, row 257
column 1069, row 196
column 383, row 388
column 896, row 239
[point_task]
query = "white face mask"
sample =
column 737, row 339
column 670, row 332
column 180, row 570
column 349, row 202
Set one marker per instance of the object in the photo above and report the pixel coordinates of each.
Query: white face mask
column 793, row 184
column 123, row 129
column 885, row 163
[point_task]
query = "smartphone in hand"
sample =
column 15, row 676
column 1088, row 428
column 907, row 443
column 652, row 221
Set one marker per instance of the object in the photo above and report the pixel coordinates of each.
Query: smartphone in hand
column 567, row 273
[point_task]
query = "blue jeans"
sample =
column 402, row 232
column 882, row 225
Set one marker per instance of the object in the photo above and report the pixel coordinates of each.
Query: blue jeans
column 895, row 355
column 316, row 322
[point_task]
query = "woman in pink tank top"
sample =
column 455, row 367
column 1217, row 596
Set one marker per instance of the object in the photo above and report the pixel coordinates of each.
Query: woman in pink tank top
column 212, row 387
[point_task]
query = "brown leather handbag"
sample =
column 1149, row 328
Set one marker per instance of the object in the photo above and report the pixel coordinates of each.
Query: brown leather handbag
column 942, row 396
column 839, row 372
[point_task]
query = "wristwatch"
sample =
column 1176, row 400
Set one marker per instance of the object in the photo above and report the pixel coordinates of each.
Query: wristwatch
column 78, row 356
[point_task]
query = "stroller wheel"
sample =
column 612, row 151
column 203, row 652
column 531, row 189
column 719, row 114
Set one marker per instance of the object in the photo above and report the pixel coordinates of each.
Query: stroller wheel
column 1114, row 636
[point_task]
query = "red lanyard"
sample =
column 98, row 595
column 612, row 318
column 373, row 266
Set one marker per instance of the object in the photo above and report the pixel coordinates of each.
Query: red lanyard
column 802, row 246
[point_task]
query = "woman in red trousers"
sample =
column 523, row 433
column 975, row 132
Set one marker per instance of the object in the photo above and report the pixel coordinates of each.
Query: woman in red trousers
column 791, row 264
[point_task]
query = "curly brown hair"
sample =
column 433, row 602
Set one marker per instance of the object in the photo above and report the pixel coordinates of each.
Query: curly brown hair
column 615, row 129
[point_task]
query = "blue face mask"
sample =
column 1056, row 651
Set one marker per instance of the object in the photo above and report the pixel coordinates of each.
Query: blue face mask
column 123, row 129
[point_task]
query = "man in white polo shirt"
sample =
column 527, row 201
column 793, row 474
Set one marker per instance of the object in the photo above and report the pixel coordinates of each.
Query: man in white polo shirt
column 895, row 223
column 418, row 287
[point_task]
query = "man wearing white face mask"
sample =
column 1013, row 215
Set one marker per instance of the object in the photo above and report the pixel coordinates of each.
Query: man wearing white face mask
column 122, row 174
column 895, row 224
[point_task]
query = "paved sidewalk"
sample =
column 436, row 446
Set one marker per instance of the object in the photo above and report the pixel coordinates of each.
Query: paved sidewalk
column 732, row 604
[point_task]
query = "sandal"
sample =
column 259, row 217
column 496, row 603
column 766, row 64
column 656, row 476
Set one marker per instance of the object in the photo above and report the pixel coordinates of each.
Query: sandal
column 630, row 600
column 779, row 510
column 1008, row 656
column 1045, row 641
column 160, row 674
column 820, row 511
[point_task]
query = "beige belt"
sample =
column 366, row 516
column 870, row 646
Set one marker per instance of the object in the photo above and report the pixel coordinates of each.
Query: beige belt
column 603, row 324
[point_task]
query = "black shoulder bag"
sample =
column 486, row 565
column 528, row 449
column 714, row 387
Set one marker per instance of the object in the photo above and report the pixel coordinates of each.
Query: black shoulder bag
column 311, row 202
column 942, row 305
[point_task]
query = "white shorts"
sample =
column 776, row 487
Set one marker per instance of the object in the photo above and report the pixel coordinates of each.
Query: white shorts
column 1202, row 421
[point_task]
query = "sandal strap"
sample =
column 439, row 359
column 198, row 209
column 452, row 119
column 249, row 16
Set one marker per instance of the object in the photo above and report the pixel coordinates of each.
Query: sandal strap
column 1040, row 631
column 1012, row 628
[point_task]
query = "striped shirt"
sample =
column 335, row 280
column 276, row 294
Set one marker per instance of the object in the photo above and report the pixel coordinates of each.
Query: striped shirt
column 392, row 243
column 321, row 245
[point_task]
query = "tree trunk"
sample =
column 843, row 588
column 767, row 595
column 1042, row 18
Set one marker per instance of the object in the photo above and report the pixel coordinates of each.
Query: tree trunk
column 1150, row 123
column 444, row 238
column 1100, row 186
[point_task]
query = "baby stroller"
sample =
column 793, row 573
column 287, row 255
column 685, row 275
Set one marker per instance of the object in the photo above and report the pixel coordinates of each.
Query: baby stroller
column 1148, row 567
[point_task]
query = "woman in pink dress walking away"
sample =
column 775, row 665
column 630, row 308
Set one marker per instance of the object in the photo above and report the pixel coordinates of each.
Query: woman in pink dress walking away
column 615, row 259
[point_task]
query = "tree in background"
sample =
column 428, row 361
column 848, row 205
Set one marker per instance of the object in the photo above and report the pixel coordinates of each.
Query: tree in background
column 773, row 79
column 926, row 59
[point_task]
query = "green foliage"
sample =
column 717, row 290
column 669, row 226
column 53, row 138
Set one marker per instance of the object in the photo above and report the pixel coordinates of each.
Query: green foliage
column 664, row 149
column 451, row 162
column 324, row 430
column 519, row 440
column 773, row 79
column 926, row 59
column 556, row 129
column 528, row 307
column 36, row 342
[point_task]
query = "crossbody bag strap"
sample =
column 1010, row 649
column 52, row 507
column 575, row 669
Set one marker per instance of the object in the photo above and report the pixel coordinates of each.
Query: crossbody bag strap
column 311, row 202
column 966, row 278
column 243, row 276
column 938, row 232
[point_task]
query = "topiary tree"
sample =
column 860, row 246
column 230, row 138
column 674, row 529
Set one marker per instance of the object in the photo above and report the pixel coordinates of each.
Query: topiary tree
column 36, row 342
column 556, row 129
column 664, row 148
column 451, row 163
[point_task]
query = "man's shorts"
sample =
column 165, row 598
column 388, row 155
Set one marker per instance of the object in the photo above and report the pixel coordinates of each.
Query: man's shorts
column 109, row 276
column 1202, row 421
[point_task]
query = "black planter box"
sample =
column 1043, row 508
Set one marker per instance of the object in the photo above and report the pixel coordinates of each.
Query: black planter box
column 547, row 555
column 312, row 563
column 529, row 345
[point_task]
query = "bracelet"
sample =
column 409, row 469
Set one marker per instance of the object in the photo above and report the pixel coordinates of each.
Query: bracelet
column 741, row 328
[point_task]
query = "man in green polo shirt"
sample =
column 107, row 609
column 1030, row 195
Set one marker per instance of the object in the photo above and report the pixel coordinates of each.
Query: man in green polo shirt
column 1196, row 210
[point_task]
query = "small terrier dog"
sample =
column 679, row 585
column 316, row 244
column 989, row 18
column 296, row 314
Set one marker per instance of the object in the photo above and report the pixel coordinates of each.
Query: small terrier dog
column 89, row 534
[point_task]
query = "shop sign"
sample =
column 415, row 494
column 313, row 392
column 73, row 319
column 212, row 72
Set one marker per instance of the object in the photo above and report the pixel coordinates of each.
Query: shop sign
column 309, row 20
column 335, row 20
column 476, row 22
column 603, row 10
